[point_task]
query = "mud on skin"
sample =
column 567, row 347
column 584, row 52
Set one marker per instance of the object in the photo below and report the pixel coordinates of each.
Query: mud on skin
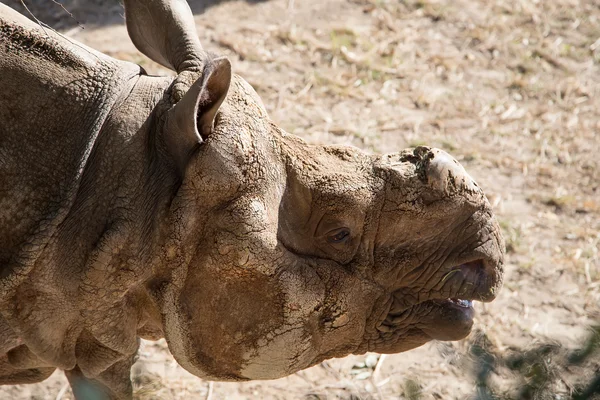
column 173, row 207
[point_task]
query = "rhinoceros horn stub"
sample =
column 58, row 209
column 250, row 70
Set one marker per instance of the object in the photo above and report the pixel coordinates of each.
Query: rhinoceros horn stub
column 165, row 32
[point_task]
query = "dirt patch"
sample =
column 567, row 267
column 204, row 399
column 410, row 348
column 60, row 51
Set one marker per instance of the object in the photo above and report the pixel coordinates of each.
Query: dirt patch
column 511, row 89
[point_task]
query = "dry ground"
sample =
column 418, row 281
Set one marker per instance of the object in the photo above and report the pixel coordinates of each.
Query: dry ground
column 510, row 88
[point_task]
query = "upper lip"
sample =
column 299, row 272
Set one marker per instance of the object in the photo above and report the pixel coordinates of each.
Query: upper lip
column 478, row 279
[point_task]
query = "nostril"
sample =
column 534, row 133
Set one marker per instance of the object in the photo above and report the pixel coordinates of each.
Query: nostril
column 470, row 272
column 481, row 277
column 473, row 270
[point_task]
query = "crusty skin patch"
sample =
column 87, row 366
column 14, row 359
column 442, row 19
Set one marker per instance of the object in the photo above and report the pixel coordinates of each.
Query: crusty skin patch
column 157, row 207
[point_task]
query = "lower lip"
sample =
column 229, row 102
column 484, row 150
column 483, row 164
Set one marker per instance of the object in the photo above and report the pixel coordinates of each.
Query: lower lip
column 465, row 307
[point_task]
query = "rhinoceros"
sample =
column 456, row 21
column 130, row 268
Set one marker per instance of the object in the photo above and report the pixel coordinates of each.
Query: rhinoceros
column 136, row 206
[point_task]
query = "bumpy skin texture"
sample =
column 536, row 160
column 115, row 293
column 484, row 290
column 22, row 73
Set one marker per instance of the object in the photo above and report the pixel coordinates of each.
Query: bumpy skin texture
column 136, row 206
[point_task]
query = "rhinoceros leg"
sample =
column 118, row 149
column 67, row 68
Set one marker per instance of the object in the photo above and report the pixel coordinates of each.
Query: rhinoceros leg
column 84, row 388
column 17, row 363
column 9, row 375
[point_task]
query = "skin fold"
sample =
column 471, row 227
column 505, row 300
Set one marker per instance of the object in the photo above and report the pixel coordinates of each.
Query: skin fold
column 134, row 206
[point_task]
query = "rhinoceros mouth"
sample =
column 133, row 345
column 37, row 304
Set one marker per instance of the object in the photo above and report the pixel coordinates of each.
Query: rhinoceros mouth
column 440, row 314
column 469, row 281
column 460, row 303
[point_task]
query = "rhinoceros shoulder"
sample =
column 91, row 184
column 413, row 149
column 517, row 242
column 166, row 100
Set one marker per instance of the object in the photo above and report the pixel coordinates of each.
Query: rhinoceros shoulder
column 55, row 96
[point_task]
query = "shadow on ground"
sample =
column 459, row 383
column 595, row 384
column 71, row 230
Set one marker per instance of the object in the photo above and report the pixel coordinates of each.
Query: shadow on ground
column 67, row 14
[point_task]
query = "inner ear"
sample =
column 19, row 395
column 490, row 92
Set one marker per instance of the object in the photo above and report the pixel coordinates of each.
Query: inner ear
column 191, row 120
column 216, row 80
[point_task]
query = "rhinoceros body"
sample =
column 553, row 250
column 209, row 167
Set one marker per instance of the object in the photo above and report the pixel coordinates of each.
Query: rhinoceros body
column 137, row 206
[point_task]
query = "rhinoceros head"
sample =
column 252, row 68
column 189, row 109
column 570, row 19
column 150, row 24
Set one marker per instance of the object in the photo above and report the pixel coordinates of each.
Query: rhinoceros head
column 282, row 254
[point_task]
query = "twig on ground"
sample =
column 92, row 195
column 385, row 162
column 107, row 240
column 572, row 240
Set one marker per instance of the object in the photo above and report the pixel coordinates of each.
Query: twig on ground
column 210, row 390
column 62, row 391
column 378, row 366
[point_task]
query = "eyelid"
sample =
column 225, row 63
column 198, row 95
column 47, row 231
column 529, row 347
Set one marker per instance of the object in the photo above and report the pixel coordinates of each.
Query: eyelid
column 330, row 235
column 327, row 225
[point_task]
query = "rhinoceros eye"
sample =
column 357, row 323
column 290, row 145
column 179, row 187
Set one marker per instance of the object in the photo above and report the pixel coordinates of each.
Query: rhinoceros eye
column 338, row 235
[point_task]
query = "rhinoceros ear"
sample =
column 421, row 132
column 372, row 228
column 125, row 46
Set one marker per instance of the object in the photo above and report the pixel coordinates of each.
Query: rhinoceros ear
column 191, row 120
column 164, row 30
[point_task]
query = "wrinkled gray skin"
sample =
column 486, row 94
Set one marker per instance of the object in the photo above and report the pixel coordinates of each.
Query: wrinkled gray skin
column 138, row 206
